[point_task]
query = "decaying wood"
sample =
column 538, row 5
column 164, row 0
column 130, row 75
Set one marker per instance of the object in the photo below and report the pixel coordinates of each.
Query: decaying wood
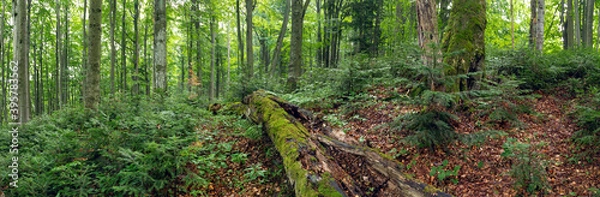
column 318, row 164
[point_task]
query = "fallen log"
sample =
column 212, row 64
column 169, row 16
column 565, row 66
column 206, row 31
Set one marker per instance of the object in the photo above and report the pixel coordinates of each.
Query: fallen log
column 321, row 165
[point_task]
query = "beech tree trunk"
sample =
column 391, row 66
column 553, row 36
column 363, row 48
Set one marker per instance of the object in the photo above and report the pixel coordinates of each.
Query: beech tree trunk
column 276, row 61
column 113, row 51
column 536, row 27
column 250, row 57
column 92, row 95
column 295, row 66
column 321, row 164
column 160, row 46
column 21, row 57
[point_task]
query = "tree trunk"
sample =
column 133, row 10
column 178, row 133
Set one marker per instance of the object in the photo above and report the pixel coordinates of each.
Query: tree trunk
column 427, row 28
column 123, row 48
column 92, row 78
column 160, row 46
column 113, row 50
column 465, row 35
column 536, row 26
column 84, row 40
column 512, row 24
column 21, row 56
column 318, row 163
column 588, row 23
column 249, row 48
column 276, row 61
column 213, row 57
column 577, row 23
column 135, row 88
column 239, row 37
column 295, row 66
column 64, row 65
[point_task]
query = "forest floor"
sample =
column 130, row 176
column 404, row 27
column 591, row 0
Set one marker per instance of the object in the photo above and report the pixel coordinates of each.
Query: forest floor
column 483, row 171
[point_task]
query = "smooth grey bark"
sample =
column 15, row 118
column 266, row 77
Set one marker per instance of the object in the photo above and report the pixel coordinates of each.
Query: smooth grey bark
column 249, row 48
column 588, row 23
column 160, row 47
column 239, row 37
column 113, row 50
column 536, row 27
column 123, row 48
column 135, row 88
column 92, row 78
column 295, row 66
column 213, row 35
column 276, row 61
column 21, row 57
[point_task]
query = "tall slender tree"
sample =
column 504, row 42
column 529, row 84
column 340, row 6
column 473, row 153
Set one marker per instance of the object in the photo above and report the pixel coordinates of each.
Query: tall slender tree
column 92, row 78
column 276, row 61
column 135, row 88
column 249, row 48
column 295, row 67
column 536, row 27
column 160, row 46
column 21, row 57
column 113, row 50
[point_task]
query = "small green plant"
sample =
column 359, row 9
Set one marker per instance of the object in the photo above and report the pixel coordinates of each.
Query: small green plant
column 442, row 174
column 587, row 138
column 254, row 172
column 595, row 191
column 239, row 157
column 528, row 167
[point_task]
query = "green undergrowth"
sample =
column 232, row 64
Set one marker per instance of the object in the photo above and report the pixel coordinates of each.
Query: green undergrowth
column 129, row 147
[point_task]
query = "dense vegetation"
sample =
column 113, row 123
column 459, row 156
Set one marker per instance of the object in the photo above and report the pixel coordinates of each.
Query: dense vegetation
column 116, row 98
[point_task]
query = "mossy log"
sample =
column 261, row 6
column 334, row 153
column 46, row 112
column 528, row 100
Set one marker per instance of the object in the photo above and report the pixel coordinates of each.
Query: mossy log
column 317, row 164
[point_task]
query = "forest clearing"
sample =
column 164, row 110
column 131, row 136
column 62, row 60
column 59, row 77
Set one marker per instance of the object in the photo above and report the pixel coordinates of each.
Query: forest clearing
column 372, row 98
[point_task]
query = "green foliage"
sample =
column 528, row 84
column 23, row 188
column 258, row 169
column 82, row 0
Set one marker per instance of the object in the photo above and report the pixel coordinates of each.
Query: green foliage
column 254, row 172
column 442, row 174
column 500, row 98
column 588, row 116
column 528, row 167
column 573, row 70
column 479, row 138
column 132, row 146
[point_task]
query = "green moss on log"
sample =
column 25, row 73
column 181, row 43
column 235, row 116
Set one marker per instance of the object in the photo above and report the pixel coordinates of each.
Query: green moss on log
column 289, row 136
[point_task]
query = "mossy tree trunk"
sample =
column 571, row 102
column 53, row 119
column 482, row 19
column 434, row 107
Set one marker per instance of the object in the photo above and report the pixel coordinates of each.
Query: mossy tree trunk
column 464, row 43
column 317, row 164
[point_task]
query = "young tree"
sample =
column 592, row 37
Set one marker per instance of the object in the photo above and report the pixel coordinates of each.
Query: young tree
column 536, row 27
column 465, row 40
column 21, row 57
column 160, row 46
column 92, row 78
column 295, row 66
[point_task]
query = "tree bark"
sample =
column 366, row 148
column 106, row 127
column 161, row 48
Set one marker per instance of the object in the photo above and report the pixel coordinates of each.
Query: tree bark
column 577, row 23
column 536, row 27
column 295, row 66
column 135, row 88
column 465, row 40
column 123, row 48
column 213, row 58
column 113, row 50
column 427, row 29
column 249, row 48
column 92, row 95
column 320, row 164
column 21, row 58
column 588, row 23
column 160, row 47
column 239, row 37
column 276, row 61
